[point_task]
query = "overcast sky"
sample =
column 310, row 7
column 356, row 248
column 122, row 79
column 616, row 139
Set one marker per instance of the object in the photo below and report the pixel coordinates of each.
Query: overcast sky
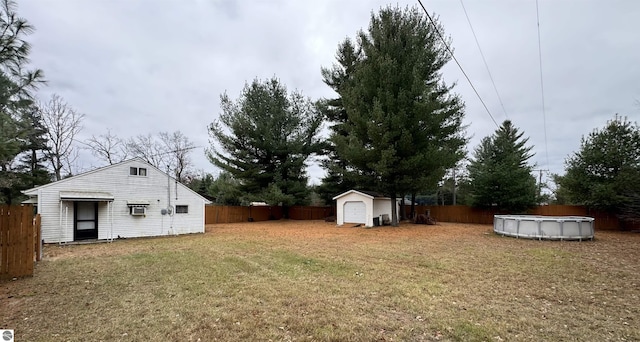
column 139, row 67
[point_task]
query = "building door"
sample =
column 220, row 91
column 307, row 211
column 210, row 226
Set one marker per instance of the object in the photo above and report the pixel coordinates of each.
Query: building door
column 85, row 220
column 355, row 212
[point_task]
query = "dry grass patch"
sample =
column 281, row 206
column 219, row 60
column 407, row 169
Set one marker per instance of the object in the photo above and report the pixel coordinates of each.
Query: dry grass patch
column 311, row 281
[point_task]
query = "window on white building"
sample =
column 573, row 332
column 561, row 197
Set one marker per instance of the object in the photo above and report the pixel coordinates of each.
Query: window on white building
column 138, row 171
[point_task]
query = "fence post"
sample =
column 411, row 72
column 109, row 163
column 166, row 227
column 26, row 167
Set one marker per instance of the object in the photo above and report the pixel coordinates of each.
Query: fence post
column 13, row 241
column 38, row 233
column 4, row 243
column 27, row 240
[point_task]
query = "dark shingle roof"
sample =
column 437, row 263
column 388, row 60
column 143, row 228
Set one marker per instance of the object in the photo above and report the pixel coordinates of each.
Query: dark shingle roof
column 372, row 193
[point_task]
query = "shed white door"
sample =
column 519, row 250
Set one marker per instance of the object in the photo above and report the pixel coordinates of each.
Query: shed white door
column 355, row 212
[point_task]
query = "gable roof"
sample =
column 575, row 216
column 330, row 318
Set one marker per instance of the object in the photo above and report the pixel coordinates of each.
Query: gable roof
column 34, row 191
column 365, row 193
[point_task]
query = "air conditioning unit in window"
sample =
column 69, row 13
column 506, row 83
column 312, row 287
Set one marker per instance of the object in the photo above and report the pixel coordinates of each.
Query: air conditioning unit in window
column 139, row 211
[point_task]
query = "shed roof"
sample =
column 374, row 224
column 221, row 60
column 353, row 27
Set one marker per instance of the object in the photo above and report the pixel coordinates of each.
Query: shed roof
column 365, row 193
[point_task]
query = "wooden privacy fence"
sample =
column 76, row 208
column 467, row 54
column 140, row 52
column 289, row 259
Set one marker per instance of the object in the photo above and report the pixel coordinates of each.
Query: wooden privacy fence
column 465, row 214
column 311, row 213
column 449, row 213
column 19, row 241
column 230, row 214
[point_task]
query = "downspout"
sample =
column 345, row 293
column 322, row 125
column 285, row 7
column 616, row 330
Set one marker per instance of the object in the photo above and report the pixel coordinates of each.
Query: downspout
column 176, row 192
column 41, row 242
column 169, row 208
column 110, row 216
column 66, row 216
column 60, row 230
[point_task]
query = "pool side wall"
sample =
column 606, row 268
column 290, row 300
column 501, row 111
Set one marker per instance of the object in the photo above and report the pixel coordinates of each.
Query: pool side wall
column 545, row 227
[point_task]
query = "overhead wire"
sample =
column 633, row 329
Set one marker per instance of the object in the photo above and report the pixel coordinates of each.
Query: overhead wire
column 544, row 115
column 444, row 42
column 484, row 60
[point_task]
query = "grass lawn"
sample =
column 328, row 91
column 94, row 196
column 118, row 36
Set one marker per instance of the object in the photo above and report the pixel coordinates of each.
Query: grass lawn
column 312, row 281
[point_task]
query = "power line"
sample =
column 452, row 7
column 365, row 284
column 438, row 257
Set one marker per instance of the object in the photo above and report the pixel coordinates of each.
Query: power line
column 456, row 60
column 544, row 115
column 484, row 60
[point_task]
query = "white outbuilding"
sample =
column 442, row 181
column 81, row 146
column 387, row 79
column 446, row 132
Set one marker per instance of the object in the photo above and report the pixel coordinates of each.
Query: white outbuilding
column 125, row 200
column 358, row 206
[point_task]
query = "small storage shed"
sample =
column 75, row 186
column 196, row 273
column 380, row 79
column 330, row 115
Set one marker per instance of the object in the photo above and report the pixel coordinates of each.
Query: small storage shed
column 129, row 199
column 358, row 206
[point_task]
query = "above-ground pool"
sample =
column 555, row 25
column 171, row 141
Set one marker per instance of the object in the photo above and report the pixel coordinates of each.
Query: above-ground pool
column 544, row 227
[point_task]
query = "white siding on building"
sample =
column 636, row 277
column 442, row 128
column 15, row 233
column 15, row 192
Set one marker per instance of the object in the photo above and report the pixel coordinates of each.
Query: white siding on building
column 348, row 212
column 383, row 206
column 57, row 216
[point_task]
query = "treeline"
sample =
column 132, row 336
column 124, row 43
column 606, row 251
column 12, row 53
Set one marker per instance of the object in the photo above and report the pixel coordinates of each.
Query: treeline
column 396, row 127
column 393, row 126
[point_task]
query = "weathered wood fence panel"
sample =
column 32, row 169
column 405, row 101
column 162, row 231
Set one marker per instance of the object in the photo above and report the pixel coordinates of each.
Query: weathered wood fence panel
column 17, row 240
column 456, row 213
column 311, row 213
column 230, row 214
column 465, row 214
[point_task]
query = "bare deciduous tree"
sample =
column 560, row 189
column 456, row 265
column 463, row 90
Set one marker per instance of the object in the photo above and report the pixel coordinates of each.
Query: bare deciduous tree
column 147, row 148
column 63, row 123
column 178, row 146
column 108, row 147
column 168, row 151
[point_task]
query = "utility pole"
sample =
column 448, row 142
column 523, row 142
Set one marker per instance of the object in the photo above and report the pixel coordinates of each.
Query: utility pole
column 454, row 186
column 540, row 181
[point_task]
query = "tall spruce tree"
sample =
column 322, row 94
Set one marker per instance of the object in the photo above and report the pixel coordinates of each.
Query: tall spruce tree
column 399, row 125
column 264, row 139
column 499, row 172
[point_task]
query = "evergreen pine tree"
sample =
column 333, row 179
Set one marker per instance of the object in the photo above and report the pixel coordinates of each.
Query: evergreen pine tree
column 337, row 179
column 499, row 173
column 265, row 138
column 32, row 167
column 605, row 172
column 16, row 86
column 401, row 126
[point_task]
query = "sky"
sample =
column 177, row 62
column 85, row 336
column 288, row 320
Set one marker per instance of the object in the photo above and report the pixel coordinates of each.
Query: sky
column 146, row 66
